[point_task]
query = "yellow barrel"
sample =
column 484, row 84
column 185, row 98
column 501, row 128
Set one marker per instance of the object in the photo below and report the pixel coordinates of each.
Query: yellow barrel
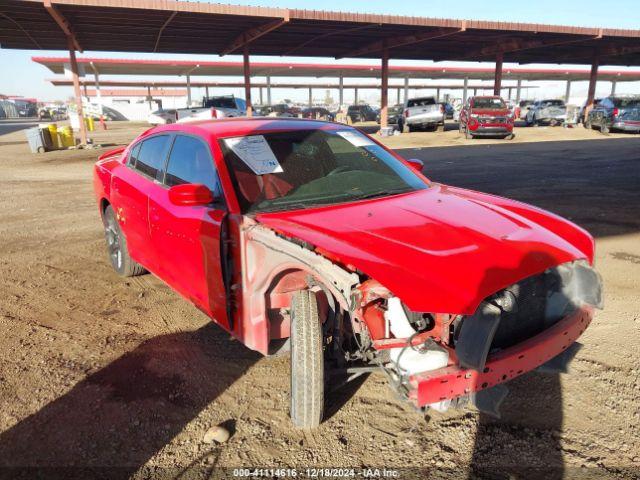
column 53, row 131
column 65, row 134
column 89, row 123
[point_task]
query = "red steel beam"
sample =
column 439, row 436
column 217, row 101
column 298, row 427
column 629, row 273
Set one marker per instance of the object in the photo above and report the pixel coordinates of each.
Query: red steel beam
column 164, row 25
column 247, row 79
column 401, row 41
column 593, row 78
column 253, row 34
column 384, row 92
column 497, row 82
column 517, row 45
column 64, row 25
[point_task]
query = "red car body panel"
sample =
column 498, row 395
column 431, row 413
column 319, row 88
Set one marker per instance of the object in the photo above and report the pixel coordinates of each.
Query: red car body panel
column 440, row 250
column 453, row 381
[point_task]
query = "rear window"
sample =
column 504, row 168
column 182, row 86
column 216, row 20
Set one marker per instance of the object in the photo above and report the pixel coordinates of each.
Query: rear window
column 220, row 102
column 421, row 102
column 626, row 102
column 490, row 103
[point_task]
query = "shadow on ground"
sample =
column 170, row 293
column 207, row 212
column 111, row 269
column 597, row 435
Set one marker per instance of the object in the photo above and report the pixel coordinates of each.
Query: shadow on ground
column 123, row 414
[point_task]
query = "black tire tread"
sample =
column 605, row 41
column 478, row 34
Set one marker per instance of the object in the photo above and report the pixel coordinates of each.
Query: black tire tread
column 129, row 268
column 307, row 361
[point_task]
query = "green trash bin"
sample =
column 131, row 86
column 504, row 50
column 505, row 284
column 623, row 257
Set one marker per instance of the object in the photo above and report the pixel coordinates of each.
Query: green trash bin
column 36, row 140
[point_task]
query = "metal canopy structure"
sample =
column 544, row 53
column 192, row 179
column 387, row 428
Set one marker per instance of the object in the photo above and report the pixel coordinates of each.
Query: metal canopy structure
column 201, row 28
column 114, row 66
column 186, row 27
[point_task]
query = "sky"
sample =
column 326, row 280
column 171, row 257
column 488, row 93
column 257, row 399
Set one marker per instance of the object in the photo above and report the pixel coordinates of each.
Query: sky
column 20, row 76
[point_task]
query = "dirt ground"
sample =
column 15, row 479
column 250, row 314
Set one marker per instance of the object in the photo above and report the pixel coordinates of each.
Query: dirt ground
column 123, row 377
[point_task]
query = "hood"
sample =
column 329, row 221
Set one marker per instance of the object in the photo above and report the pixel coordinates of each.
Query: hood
column 494, row 112
column 441, row 249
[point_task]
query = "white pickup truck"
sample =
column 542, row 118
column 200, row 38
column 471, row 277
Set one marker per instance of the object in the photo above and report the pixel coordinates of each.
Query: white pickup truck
column 423, row 112
column 226, row 106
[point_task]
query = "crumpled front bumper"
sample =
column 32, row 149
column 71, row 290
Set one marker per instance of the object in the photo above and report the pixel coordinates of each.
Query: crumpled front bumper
column 453, row 381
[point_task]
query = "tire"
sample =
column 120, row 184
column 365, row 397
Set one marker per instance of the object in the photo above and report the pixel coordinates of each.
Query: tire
column 604, row 128
column 307, row 361
column 587, row 124
column 408, row 128
column 117, row 250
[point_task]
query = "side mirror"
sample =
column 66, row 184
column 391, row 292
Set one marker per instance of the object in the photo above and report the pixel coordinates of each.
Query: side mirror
column 190, row 195
column 416, row 164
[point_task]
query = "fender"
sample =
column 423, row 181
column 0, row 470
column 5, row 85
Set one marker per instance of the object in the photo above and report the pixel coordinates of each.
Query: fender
column 266, row 255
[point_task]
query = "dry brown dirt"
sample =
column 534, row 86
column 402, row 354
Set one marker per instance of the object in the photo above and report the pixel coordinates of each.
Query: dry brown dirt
column 124, row 376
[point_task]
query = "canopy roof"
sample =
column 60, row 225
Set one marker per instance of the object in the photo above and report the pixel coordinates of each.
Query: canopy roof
column 64, row 82
column 203, row 28
column 112, row 66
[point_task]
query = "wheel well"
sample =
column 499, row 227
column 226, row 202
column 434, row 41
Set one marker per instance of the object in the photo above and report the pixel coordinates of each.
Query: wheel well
column 104, row 203
column 279, row 296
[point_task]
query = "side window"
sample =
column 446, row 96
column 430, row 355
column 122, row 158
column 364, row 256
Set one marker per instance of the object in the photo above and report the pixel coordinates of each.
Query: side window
column 133, row 155
column 152, row 155
column 190, row 162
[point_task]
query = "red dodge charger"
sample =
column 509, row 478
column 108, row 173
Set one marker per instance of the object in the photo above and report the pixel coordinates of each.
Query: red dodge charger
column 312, row 238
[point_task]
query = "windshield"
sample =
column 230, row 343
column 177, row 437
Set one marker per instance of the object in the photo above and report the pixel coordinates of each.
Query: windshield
column 488, row 102
column 421, row 102
column 552, row 103
column 305, row 168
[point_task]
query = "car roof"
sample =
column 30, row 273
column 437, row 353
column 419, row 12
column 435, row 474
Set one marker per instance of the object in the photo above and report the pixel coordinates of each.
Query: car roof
column 242, row 126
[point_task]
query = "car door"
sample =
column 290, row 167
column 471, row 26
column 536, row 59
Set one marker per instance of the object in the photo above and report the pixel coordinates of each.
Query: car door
column 188, row 238
column 130, row 189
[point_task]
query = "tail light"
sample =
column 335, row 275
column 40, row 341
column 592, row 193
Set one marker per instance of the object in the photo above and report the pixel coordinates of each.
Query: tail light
column 214, row 114
column 406, row 113
column 615, row 112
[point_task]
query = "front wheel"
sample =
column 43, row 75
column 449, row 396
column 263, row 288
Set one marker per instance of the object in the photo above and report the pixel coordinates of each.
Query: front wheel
column 119, row 256
column 604, row 128
column 307, row 361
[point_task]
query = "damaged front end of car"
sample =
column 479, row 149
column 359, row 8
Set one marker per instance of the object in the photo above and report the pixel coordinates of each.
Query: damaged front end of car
column 440, row 360
column 432, row 359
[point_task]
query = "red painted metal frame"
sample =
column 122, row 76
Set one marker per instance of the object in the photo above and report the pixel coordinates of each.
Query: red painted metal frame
column 452, row 382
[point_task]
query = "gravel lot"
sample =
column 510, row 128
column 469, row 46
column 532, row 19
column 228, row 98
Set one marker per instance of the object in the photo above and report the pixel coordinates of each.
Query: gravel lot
column 125, row 377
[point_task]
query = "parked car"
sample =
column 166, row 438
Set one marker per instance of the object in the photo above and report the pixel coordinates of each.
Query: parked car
column 448, row 110
column 524, row 106
column 225, row 106
column 615, row 113
column 163, row 117
column 583, row 108
column 317, row 113
column 394, row 114
column 421, row 113
column 486, row 116
column 552, row 112
column 312, row 236
column 360, row 113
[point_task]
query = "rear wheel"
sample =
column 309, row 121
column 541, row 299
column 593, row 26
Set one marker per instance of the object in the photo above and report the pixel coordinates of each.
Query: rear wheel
column 307, row 361
column 119, row 256
column 440, row 127
column 604, row 128
column 587, row 124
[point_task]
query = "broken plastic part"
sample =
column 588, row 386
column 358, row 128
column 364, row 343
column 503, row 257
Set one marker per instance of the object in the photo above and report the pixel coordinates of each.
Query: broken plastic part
column 476, row 335
column 396, row 317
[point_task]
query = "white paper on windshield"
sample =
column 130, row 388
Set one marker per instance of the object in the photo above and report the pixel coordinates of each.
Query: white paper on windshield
column 256, row 153
column 356, row 139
